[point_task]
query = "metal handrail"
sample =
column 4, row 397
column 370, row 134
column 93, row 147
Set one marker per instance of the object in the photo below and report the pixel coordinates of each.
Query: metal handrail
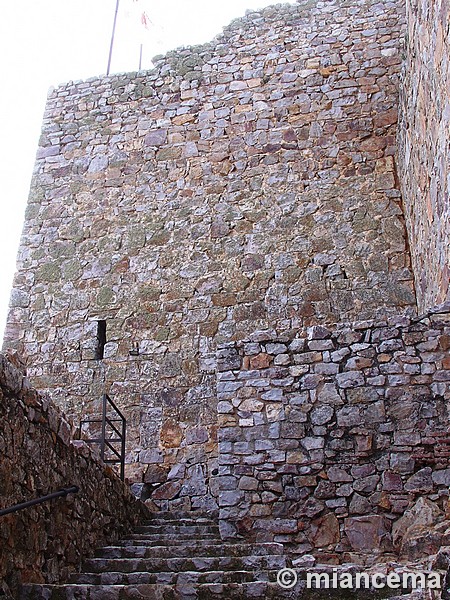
column 62, row 492
column 103, row 441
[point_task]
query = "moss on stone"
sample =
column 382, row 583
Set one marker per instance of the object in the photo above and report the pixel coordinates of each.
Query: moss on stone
column 135, row 237
column 105, row 296
column 37, row 193
column 159, row 238
column 71, row 270
column 48, row 272
column 149, row 292
column 162, row 334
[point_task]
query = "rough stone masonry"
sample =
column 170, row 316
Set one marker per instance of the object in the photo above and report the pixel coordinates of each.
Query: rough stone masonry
column 424, row 150
column 245, row 184
column 327, row 438
column 45, row 543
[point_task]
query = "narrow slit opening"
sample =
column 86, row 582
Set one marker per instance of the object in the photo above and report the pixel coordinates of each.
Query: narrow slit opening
column 101, row 340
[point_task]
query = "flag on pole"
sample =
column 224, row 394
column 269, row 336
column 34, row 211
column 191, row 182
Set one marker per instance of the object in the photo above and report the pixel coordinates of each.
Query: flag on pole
column 142, row 20
column 140, row 16
column 134, row 26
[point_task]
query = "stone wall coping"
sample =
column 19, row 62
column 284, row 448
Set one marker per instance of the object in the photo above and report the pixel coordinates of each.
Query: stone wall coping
column 207, row 52
column 398, row 321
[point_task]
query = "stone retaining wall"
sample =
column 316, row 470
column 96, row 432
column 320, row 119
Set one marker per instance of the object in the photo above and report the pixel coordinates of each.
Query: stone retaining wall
column 424, row 150
column 44, row 543
column 244, row 183
column 325, row 440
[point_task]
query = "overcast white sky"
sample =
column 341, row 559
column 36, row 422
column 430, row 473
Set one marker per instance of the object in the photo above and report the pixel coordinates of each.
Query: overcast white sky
column 47, row 42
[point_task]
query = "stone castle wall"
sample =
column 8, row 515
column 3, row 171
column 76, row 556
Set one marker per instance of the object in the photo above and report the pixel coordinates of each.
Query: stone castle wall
column 244, row 184
column 45, row 543
column 424, row 151
column 325, row 440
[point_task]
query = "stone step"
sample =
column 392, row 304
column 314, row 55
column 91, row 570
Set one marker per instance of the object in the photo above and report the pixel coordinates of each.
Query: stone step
column 194, row 530
column 180, row 514
column 198, row 563
column 272, row 591
column 173, row 557
column 165, row 524
column 167, row 540
column 170, row 578
column 158, row 592
column 170, row 539
column 184, row 521
column 100, row 592
column 189, row 550
column 210, row 591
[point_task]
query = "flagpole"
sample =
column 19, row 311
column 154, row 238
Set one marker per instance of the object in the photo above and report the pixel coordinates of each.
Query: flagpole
column 140, row 58
column 112, row 38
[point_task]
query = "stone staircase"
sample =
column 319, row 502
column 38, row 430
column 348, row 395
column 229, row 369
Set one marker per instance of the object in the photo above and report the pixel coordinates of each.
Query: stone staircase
column 174, row 556
column 180, row 556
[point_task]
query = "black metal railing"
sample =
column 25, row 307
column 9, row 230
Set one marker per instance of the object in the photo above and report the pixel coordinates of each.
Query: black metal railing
column 63, row 492
column 109, row 453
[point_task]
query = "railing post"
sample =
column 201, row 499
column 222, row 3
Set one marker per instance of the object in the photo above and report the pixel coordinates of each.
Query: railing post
column 122, row 452
column 103, row 436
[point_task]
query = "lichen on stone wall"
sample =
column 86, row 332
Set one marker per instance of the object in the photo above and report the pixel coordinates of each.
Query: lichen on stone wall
column 254, row 187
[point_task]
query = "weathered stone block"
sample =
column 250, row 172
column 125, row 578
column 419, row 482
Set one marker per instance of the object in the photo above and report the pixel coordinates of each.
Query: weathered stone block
column 349, row 379
column 324, row 531
column 401, row 463
column 366, row 484
column 420, row 481
column 312, row 443
column 152, row 456
column 325, row 489
column 167, row 491
column 338, row 475
column 441, row 477
column 370, row 533
column 297, row 345
column 276, row 348
column 424, row 513
column 322, row 415
column 318, row 332
column 171, row 434
column 156, row 137
column 344, row 490
column 196, row 435
column 359, row 505
column 248, row 483
column 310, row 508
column 348, row 416
column 260, row 361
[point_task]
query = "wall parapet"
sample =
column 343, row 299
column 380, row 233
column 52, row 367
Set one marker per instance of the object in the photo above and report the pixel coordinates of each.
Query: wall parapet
column 326, row 439
column 46, row 542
